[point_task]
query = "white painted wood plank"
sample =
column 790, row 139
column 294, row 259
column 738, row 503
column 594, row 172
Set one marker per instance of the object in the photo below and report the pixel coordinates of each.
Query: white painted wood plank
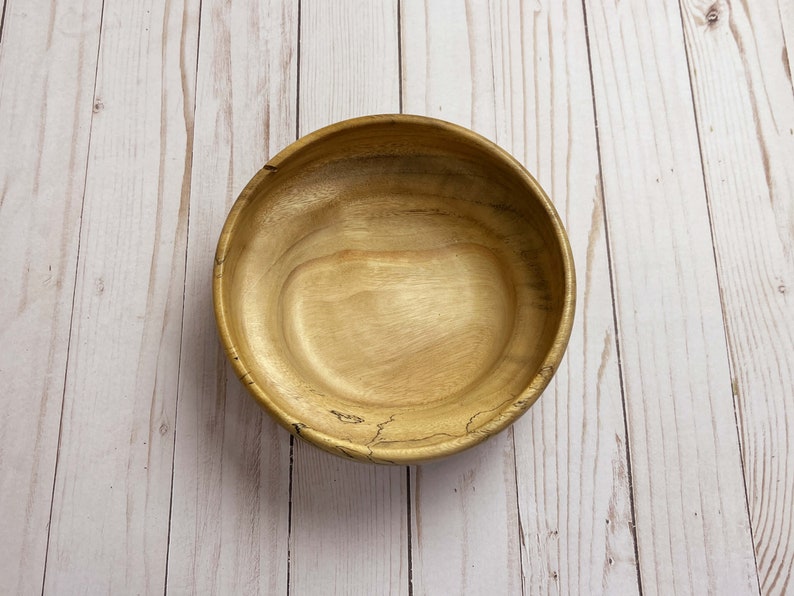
column 745, row 107
column 109, row 521
column 231, row 464
column 572, row 472
column 465, row 517
column 692, row 524
column 349, row 520
column 47, row 68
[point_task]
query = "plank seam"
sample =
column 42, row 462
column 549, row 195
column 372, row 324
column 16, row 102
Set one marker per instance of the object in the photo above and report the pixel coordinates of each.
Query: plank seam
column 518, row 513
column 184, row 293
column 74, row 289
column 719, row 289
column 614, row 309
column 289, row 510
column 409, row 512
column 400, row 54
column 298, row 79
column 409, row 519
column 3, row 19
column 292, row 438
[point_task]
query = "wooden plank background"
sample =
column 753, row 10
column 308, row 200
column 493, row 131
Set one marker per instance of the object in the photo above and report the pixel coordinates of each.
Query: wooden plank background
column 659, row 460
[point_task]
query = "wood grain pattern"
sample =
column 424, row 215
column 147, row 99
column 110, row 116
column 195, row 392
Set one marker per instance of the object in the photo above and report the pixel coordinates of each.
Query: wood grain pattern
column 740, row 72
column 229, row 522
column 786, row 15
column 465, row 520
column 692, row 525
column 47, row 70
column 693, row 103
column 114, row 468
column 536, row 88
column 394, row 289
column 349, row 525
column 571, row 465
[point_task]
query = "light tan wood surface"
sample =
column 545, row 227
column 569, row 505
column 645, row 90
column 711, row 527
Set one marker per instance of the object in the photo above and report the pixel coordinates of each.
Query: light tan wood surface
column 659, row 460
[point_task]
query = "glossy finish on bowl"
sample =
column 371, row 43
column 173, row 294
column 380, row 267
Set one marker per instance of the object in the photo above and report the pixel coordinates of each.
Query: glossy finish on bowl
column 394, row 288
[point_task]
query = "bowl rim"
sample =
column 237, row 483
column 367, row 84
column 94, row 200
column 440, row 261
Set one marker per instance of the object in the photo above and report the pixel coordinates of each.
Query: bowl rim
column 406, row 454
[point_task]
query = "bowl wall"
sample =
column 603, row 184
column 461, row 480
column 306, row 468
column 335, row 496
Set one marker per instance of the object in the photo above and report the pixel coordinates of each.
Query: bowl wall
column 394, row 288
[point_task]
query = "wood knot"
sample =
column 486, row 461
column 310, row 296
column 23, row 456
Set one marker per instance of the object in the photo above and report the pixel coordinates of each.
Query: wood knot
column 782, row 289
column 98, row 106
column 163, row 429
column 713, row 15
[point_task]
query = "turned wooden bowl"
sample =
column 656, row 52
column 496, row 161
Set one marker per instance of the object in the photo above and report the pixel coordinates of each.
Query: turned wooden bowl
column 394, row 288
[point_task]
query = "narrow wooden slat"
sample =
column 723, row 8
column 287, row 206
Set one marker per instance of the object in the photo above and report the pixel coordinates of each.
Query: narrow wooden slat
column 465, row 517
column 745, row 107
column 349, row 520
column 573, row 479
column 693, row 529
column 231, row 464
column 110, row 512
column 47, row 71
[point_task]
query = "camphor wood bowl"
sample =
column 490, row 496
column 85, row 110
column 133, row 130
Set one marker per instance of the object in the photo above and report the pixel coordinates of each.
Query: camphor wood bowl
column 394, row 288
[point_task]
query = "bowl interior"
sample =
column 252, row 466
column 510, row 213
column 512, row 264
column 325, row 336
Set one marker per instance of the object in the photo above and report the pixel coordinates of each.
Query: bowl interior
column 393, row 290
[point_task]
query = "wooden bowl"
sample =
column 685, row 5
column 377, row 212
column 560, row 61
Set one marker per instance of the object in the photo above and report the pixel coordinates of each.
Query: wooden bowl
column 394, row 288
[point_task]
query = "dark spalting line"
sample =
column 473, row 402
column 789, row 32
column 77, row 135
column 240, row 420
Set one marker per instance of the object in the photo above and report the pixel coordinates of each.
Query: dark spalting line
column 347, row 418
column 381, row 426
column 600, row 198
column 417, row 439
column 346, row 453
column 481, row 412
